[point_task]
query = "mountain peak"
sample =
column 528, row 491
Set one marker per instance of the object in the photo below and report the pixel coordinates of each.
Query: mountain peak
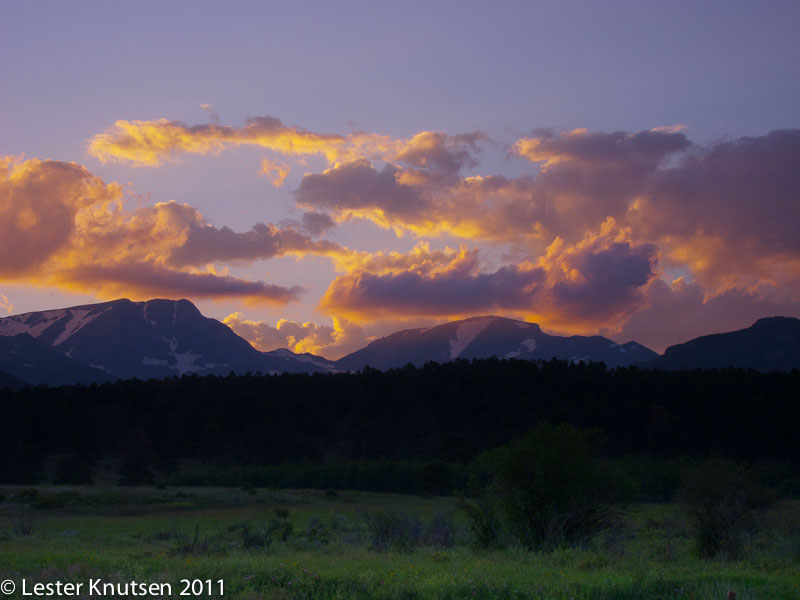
column 147, row 339
column 485, row 336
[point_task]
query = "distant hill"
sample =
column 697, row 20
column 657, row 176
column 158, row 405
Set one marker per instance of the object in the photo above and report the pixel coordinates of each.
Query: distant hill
column 483, row 337
column 770, row 344
column 153, row 339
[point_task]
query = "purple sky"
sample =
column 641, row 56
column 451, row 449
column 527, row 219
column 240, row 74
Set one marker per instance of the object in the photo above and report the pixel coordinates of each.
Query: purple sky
column 624, row 228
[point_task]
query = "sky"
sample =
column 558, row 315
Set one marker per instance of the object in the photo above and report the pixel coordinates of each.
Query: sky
column 319, row 174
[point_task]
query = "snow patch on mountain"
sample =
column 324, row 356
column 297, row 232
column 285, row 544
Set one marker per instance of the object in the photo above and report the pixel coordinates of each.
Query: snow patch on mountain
column 185, row 362
column 466, row 332
column 285, row 352
column 35, row 324
column 153, row 362
column 31, row 323
column 529, row 344
column 144, row 313
column 79, row 318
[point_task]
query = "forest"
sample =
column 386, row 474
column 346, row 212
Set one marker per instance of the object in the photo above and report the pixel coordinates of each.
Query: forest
column 406, row 429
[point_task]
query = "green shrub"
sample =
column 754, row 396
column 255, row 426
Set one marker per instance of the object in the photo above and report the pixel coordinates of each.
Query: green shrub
column 542, row 491
column 393, row 530
column 723, row 503
column 281, row 527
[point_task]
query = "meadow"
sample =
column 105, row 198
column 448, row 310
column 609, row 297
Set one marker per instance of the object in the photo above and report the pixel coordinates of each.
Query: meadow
column 310, row 544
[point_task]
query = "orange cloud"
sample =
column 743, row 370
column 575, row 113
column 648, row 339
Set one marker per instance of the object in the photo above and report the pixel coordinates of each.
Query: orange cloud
column 276, row 171
column 151, row 143
column 6, row 304
column 592, row 283
column 297, row 337
column 60, row 225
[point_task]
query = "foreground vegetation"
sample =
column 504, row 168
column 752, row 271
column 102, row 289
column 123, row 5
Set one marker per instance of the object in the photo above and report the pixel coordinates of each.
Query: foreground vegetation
column 311, row 544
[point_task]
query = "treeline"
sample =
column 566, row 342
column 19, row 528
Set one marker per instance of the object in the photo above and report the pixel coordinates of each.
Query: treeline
column 435, row 414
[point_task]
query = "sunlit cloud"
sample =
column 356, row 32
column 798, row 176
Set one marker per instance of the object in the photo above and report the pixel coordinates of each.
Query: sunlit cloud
column 62, row 226
column 276, row 171
column 584, row 239
column 599, row 280
column 297, row 337
column 6, row 304
column 151, row 143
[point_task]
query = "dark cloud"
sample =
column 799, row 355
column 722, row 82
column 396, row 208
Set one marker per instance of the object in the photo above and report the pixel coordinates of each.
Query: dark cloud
column 452, row 292
column 357, row 185
column 146, row 280
column 206, row 244
column 609, row 281
column 315, row 223
column 437, row 150
column 611, row 150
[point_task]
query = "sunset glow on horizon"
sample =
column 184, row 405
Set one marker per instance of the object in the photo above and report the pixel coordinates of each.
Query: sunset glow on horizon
column 635, row 207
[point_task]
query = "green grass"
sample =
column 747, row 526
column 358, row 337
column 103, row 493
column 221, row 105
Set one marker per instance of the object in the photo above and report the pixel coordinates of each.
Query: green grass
column 145, row 534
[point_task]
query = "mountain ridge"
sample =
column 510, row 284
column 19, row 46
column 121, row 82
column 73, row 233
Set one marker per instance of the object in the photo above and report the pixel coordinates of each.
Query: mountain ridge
column 771, row 343
column 164, row 338
column 485, row 336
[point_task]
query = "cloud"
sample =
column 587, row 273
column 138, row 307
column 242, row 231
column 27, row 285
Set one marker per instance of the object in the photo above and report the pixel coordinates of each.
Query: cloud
column 154, row 142
column 276, row 171
column 206, row 244
column 148, row 280
column 601, row 279
column 441, row 284
column 678, row 311
column 151, row 143
column 6, row 304
column 315, row 223
column 60, row 225
column 39, row 203
column 726, row 211
column 729, row 212
column 616, row 150
column 356, row 188
column 587, row 178
column 297, row 337
column 436, row 150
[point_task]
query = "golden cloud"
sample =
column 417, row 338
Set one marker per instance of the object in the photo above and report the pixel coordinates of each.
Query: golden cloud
column 151, row 143
column 60, row 225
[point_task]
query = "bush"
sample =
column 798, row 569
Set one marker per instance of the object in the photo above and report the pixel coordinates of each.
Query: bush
column 281, row 527
column 542, row 491
column 723, row 503
column 440, row 532
column 22, row 524
column 393, row 530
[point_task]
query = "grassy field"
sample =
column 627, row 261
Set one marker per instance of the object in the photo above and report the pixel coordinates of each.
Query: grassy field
column 323, row 547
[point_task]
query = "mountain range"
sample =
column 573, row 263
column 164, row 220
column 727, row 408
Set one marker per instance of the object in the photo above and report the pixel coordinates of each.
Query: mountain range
column 162, row 338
